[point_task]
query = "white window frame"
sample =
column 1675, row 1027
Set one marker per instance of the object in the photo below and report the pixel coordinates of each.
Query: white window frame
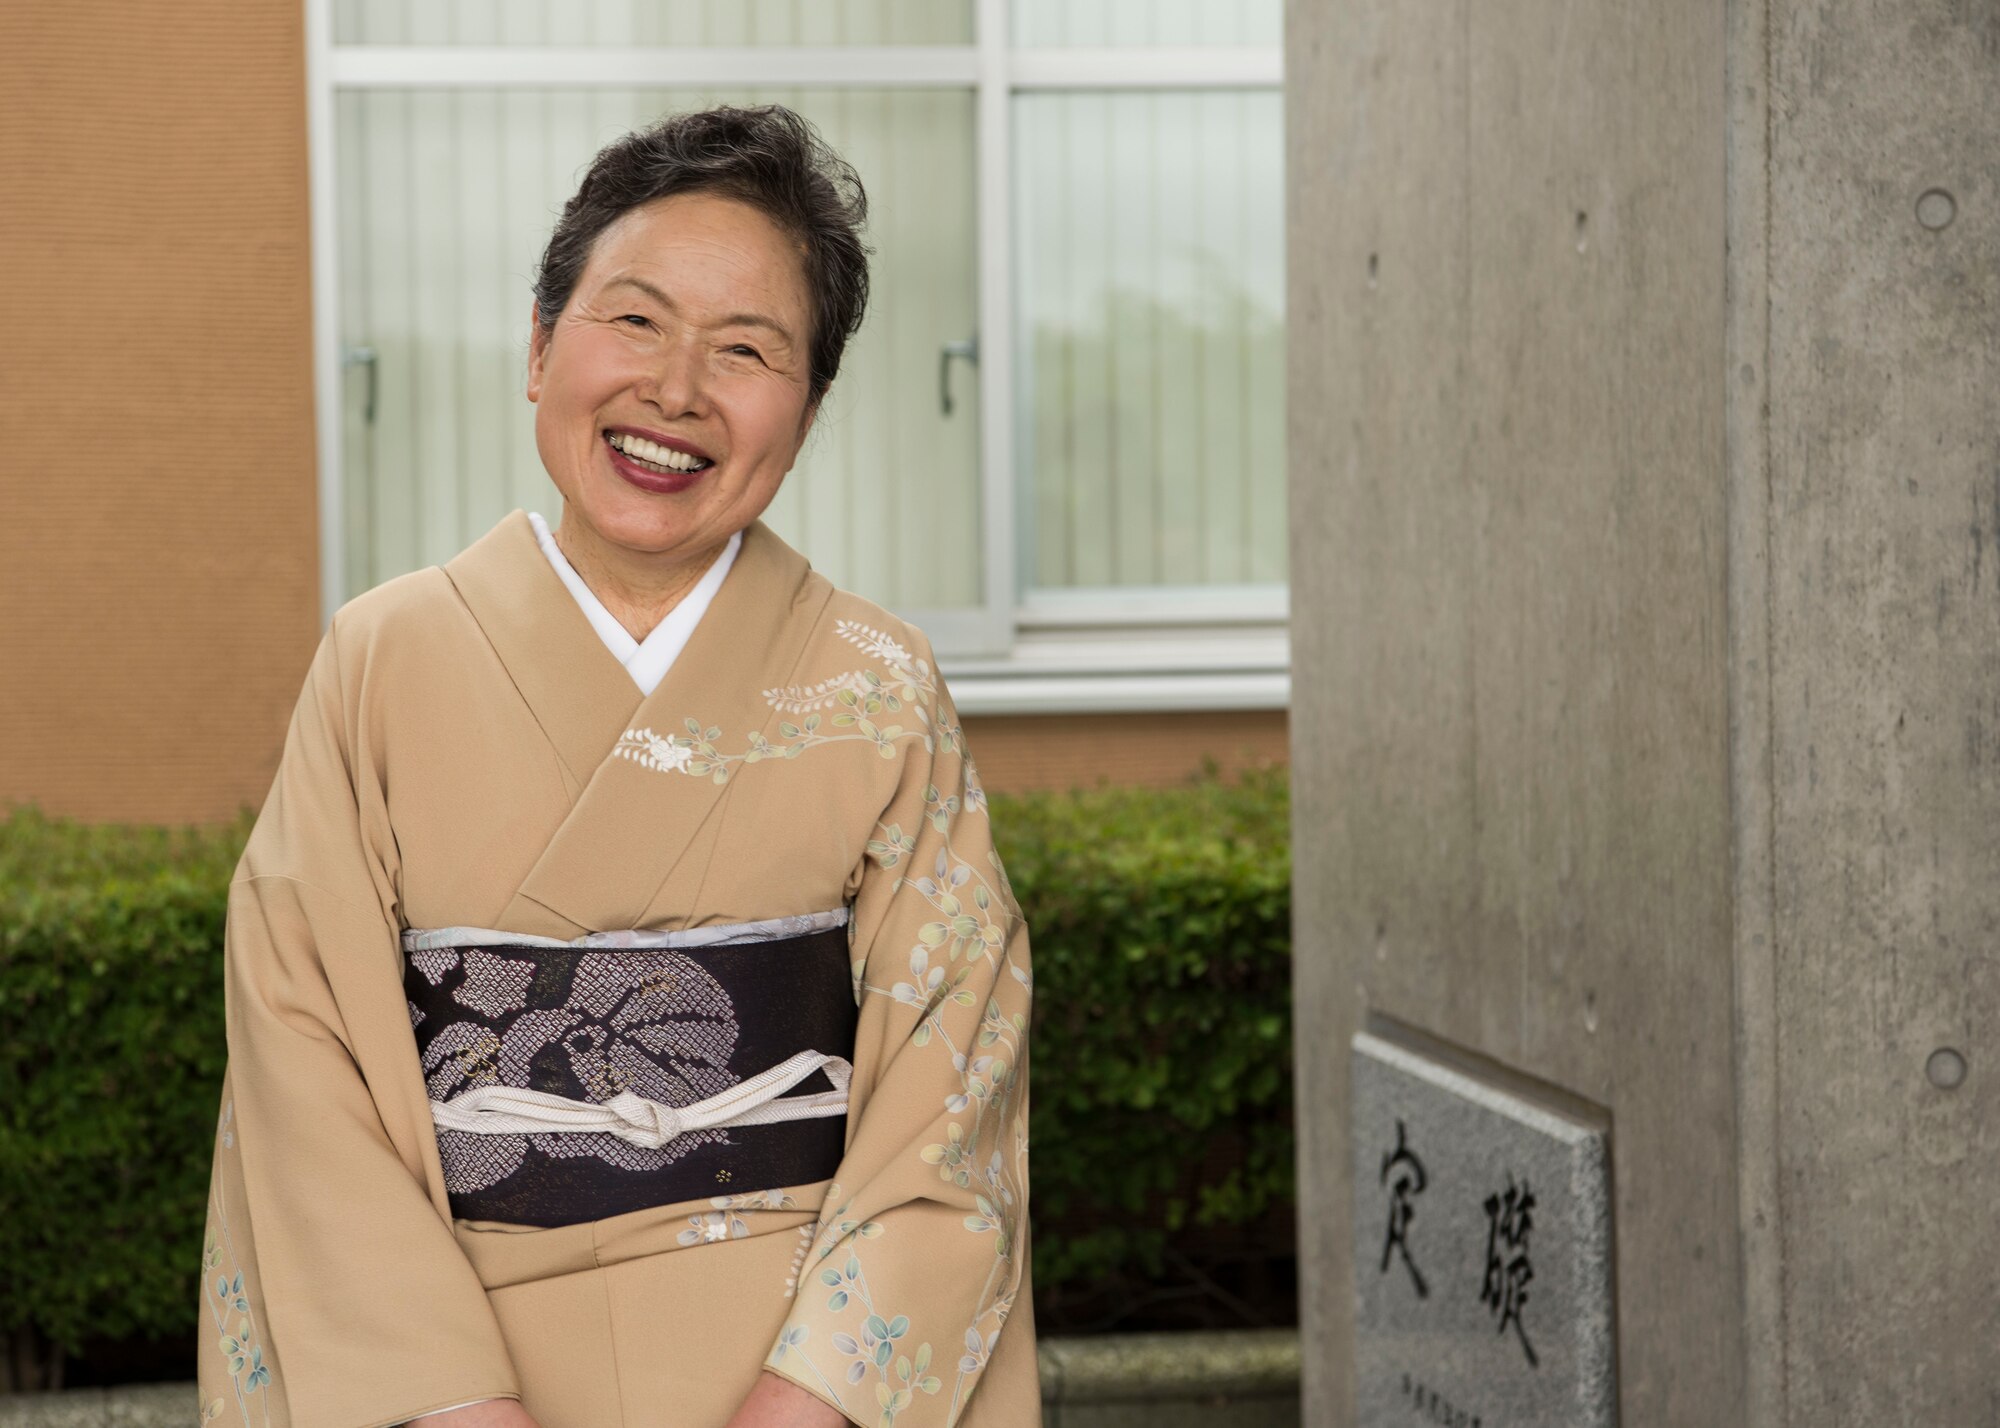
column 1049, row 651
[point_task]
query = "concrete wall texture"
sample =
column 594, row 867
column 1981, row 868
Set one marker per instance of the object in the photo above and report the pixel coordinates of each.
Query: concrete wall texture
column 1646, row 729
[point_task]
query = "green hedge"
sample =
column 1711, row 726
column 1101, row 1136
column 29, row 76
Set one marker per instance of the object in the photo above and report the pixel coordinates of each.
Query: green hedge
column 1161, row 1055
column 1161, row 1051
column 110, row 1056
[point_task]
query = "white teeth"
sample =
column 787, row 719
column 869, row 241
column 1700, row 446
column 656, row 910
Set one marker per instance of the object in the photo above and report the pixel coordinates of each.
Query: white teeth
column 654, row 454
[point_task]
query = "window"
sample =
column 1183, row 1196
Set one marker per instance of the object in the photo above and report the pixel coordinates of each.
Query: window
column 1076, row 207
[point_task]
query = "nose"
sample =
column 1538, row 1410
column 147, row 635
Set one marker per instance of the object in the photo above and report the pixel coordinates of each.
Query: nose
column 676, row 381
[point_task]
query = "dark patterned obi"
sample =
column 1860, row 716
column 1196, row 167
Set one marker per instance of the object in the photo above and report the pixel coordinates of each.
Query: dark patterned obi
column 571, row 1081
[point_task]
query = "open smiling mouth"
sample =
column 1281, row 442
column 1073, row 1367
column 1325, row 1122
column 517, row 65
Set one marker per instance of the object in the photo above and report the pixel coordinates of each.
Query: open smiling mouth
column 651, row 456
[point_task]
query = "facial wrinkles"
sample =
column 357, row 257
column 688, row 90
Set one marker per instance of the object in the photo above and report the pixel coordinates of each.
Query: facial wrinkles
column 717, row 277
column 677, row 373
column 727, row 371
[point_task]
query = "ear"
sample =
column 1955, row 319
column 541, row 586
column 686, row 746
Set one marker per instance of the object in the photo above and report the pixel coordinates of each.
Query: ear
column 538, row 348
column 806, row 420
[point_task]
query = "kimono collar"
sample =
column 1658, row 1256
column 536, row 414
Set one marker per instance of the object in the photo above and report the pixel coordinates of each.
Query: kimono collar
column 597, row 871
column 647, row 660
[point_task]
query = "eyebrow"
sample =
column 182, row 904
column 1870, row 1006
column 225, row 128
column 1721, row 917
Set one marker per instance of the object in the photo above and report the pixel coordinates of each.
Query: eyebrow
column 735, row 319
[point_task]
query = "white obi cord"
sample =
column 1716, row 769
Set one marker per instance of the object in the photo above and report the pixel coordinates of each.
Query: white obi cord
column 757, row 1101
column 729, row 934
column 637, row 1120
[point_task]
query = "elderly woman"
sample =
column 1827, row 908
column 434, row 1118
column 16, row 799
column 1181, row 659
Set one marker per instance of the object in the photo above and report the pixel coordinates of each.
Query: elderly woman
column 627, row 1011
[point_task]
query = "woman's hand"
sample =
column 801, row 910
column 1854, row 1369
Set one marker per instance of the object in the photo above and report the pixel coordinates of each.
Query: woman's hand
column 493, row 1413
column 779, row 1403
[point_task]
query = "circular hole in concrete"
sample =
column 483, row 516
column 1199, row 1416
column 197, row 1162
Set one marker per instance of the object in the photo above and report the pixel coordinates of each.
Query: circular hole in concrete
column 1374, row 267
column 1936, row 208
column 1946, row 1069
column 1582, row 230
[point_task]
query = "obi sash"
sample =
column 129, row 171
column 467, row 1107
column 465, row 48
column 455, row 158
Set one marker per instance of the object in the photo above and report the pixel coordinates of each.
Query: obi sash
column 573, row 1081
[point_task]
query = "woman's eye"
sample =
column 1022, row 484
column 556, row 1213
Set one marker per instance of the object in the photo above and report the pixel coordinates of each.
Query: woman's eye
column 634, row 317
column 747, row 351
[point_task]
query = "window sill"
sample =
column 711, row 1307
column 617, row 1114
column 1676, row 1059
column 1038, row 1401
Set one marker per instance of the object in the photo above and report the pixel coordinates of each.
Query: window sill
column 1094, row 670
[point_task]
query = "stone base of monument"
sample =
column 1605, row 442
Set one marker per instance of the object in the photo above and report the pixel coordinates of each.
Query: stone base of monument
column 1232, row 1379
column 1482, row 1245
column 150, row 1405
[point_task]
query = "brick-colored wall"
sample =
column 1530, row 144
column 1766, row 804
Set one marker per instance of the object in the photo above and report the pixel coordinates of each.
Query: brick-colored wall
column 158, row 583
column 1018, row 753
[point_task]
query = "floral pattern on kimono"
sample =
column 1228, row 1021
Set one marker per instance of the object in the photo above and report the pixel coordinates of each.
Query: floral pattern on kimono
column 917, row 1262
column 914, row 1270
column 232, row 1327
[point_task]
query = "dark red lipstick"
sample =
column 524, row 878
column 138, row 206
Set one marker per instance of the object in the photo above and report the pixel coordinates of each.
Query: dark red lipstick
column 649, row 477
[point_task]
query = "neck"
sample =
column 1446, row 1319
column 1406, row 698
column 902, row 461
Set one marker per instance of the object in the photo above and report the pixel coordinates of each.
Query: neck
column 639, row 589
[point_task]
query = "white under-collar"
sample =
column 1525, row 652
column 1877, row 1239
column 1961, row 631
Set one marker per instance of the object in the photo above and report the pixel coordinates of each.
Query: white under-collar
column 648, row 660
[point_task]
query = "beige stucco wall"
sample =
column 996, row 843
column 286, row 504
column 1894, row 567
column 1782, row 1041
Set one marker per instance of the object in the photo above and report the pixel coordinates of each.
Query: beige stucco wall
column 157, row 553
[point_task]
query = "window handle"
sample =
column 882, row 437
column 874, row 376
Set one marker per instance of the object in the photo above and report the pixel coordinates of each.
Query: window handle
column 969, row 350
column 364, row 357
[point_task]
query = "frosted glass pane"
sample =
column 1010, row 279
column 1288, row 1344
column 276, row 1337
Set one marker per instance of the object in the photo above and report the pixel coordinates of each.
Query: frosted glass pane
column 1150, row 251
column 1087, row 24
column 446, row 199
column 652, row 22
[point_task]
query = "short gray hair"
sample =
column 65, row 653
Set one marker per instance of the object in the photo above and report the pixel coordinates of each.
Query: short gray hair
column 769, row 158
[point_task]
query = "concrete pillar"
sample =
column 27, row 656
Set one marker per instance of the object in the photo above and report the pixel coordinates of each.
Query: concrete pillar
column 1646, row 634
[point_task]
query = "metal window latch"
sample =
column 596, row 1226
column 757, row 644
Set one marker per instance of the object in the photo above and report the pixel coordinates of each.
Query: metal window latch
column 969, row 350
column 363, row 357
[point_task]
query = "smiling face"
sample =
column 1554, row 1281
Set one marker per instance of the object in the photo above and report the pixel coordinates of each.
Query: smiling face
column 686, row 344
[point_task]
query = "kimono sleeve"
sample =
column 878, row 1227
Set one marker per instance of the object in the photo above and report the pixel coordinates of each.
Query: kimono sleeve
column 921, row 1247
column 333, row 1294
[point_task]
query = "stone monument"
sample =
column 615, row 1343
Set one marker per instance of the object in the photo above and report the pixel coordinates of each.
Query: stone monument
column 1483, row 1280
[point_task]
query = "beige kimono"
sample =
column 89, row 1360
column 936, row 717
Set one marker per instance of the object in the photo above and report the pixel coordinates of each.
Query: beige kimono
column 466, row 753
